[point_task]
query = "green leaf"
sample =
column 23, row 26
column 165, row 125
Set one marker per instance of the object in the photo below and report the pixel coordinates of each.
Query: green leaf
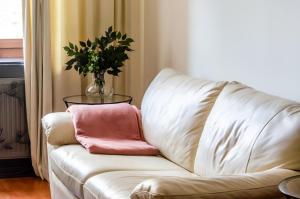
column 113, row 35
column 129, row 40
column 124, row 36
column 66, row 48
column 126, row 56
column 117, row 70
column 110, row 29
column 128, row 49
column 71, row 45
column 126, row 43
column 82, row 44
column 70, row 53
column 89, row 43
column 69, row 67
column 76, row 48
column 71, row 61
column 119, row 35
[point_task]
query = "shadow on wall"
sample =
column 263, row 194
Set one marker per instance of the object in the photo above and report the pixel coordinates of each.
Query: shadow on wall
column 166, row 36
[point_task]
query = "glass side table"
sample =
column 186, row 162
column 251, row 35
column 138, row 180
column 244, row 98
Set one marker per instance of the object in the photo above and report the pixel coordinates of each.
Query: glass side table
column 96, row 100
column 290, row 187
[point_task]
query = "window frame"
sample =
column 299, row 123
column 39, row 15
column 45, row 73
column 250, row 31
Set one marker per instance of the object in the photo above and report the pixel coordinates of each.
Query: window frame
column 11, row 48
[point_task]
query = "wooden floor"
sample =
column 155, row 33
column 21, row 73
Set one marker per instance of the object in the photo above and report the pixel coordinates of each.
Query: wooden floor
column 24, row 188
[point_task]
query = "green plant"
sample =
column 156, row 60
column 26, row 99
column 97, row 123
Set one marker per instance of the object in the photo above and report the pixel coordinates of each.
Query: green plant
column 106, row 53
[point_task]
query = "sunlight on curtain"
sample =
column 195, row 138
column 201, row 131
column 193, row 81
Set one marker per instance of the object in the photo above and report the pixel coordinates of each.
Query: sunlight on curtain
column 74, row 20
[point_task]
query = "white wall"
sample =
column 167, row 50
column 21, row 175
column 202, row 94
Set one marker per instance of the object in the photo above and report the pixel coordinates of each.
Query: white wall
column 256, row 42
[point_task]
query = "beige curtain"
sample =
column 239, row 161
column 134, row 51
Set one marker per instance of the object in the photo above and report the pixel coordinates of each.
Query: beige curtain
column 48, row 26
column 38, row 81
column 74, row 20
column 129, row 18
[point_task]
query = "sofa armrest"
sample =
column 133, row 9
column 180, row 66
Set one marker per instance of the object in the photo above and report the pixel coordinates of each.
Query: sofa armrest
column 254, row 185
column 59, row 128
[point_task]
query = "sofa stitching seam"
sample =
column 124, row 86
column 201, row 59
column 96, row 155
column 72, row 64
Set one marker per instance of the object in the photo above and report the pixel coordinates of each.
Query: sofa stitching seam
column 261, row 131
column 192, row 195
column 90, row 192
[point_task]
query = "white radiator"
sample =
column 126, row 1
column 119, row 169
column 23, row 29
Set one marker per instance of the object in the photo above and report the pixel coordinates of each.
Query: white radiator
column 14, row 140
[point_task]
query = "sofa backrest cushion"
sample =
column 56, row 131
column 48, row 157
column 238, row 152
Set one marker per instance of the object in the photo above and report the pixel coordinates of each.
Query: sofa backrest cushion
column 249, row 131
column 174, row 110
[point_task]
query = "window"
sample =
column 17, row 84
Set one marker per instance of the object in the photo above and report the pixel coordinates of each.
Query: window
column 11, row 29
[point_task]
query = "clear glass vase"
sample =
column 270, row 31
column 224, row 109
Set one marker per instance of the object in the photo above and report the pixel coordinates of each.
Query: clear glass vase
column 98, row 88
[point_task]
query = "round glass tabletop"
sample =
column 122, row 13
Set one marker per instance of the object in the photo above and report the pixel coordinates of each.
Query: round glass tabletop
column 291, row 187
column 94, row 100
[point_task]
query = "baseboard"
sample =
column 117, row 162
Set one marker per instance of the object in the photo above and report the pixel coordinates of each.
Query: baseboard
column 16, row 168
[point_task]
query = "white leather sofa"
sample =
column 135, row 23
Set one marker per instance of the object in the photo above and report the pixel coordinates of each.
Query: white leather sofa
column 218, row 140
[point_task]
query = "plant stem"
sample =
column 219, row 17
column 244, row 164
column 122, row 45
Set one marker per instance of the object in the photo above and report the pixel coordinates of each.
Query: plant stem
column 100, row 81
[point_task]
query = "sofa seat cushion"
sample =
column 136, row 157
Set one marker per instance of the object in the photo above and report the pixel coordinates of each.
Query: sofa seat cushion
column 120, row 184
column 73, row 165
